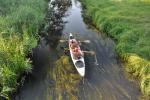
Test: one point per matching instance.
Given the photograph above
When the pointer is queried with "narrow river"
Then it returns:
(105, 81)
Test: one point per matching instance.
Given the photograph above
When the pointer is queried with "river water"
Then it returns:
(105, 81)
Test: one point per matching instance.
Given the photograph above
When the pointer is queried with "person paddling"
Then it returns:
(77, 53)
(73, 44)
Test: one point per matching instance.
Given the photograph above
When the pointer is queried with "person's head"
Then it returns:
(72, 41)
(78, 57)
(74, 50)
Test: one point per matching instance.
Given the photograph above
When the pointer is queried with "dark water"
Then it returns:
(105, 81)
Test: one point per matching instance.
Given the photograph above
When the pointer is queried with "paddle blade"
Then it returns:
(85, 41)
(62, 41)
(92, 52)
(89, 52)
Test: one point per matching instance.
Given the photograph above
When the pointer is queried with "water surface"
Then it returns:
(105, 81)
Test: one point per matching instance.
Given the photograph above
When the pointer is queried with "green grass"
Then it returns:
(13, 61)
(140, 69)
(127, 22)
(19, 24)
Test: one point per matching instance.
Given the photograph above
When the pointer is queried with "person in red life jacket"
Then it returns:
(77, 53)
(73, 44)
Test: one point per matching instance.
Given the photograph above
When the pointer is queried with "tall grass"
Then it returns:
(127, 22)
(140, 69)
(13, 61)
(19, 24)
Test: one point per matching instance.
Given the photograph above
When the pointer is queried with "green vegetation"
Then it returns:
(19, 24)
(66, 79)
(127, 22)
(140, 69)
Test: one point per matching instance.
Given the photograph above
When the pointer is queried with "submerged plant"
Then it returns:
(66, 79)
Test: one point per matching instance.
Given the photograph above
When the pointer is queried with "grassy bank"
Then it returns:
(127, 22)
(19, 24)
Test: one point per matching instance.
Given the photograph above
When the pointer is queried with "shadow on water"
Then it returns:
(55, 78)
(54, 23)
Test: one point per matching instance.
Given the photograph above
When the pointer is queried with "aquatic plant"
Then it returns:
(66, 79)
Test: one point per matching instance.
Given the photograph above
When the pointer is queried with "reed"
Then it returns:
(19, 24)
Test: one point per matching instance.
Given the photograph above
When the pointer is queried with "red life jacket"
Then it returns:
(77, 49)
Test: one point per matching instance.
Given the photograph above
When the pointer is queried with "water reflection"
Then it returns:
(54, 23)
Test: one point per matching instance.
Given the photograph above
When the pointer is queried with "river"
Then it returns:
(106, 81)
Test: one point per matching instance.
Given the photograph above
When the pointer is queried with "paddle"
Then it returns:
(94, 54)
(89, 52)
(62, 41)
(85, 41)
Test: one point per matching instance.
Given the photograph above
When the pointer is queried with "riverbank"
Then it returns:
(127, 22)
(19, 25)
(104, 81)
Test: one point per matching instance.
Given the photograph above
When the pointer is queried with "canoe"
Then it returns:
(79, 63)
